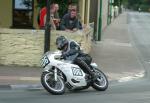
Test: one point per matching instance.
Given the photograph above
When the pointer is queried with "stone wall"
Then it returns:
(25, 47)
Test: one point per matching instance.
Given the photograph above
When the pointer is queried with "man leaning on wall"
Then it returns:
(70, 21)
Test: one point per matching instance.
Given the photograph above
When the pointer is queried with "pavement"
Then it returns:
(18, 77)
(115, 54)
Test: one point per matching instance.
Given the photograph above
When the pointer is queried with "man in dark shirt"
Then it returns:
(70, 21)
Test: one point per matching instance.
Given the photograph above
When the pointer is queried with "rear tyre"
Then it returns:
(101, 83)
(52, 86)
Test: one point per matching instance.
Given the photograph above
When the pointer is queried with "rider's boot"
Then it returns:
(94, 76)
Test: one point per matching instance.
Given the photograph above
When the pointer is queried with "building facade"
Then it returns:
(96, 11)
(18, 14)
(29, 44)
(21, 14)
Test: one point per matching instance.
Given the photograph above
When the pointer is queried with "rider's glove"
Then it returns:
(63, 56)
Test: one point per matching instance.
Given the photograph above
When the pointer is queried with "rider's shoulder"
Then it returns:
(72, 42)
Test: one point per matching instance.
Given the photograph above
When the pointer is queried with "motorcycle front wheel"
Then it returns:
(101, 83)
(52, 86)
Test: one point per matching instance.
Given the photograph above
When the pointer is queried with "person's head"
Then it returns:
(72, 6)
(61, 42)
(69, 7)
(56, 7)
(73, 13)
(52, 8)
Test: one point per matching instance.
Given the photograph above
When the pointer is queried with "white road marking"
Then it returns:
(129, 78)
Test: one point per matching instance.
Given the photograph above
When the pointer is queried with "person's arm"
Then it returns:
(44, 20)
(74, 49)
(80, 25)
(53, 26)
(62, 24)
(51, 22)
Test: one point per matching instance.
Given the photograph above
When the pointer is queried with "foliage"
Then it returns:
(135, 4)
(27, 3)
(145, 7)
(41, 3)
(116, 2)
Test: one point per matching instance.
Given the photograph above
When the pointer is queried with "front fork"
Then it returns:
(53, 71)
(55, 74)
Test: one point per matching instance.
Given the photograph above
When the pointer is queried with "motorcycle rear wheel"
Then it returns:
(101, 83)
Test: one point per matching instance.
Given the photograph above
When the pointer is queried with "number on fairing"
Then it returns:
(77, 72)
(45, 61)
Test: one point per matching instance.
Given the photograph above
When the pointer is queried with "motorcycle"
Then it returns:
(60, 74)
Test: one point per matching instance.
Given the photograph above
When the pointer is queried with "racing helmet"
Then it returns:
(61, 41)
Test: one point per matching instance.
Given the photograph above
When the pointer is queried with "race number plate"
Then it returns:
(77, 72)
(45, 61)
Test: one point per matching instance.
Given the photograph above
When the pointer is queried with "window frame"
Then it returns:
(25, 10)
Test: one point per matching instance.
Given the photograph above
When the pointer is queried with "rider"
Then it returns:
(71, 51)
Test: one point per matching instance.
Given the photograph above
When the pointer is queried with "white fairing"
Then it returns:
(71, 71)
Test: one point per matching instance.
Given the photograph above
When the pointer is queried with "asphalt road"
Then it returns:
(137, 91)
(132, 92)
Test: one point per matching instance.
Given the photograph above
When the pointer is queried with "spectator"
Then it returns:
(56, 14)
(73, 7)
(70, 7)
(70, 21)
(56, 17)
(43, 17)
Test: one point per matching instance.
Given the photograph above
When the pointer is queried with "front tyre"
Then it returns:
(101, 83)
(52, 86)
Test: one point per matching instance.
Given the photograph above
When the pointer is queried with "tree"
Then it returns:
(27, 3)
(135, 4)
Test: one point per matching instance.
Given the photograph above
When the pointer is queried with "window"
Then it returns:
(23, 13)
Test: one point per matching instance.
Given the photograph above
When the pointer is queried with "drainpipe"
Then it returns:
(120, 11)
(47, 28)
(100, 22)
(110, 12)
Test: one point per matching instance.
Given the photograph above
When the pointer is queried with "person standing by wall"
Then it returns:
(41, 17)
(43, 13)
(56, 14)
(56, 17)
